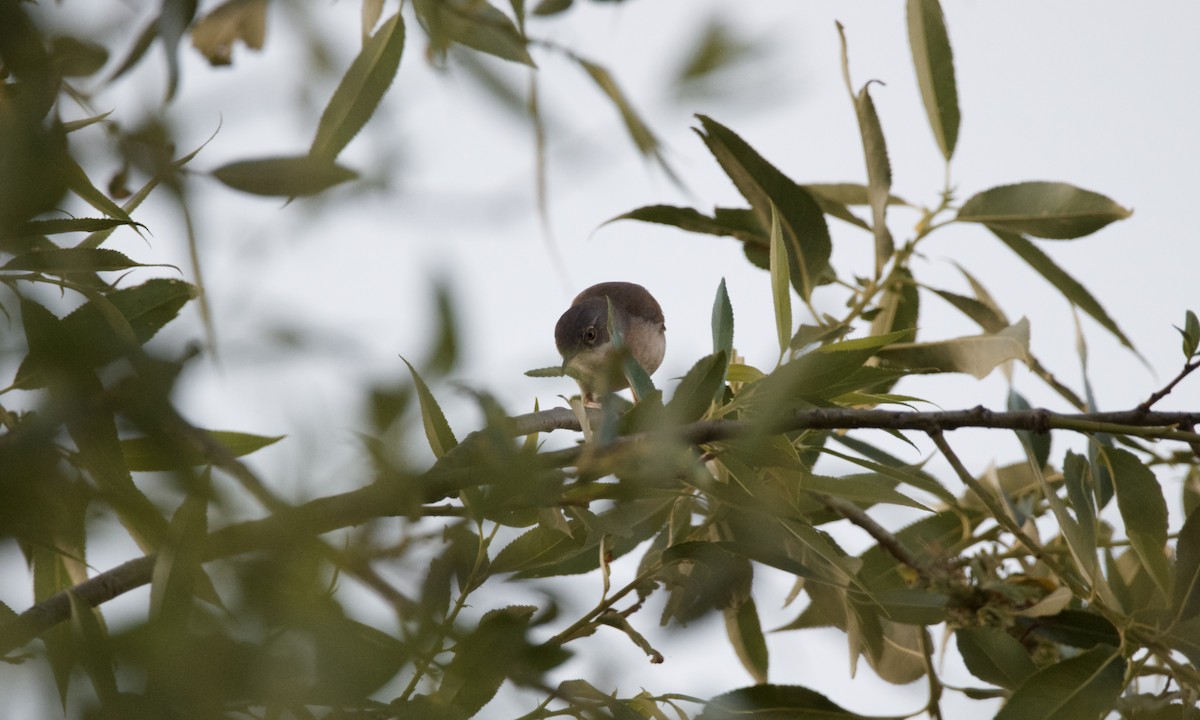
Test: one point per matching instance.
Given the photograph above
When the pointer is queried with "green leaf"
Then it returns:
(866, 489)
(780, 293)
(1077, 476)
(77, 58)
(54, 227)
(96, 655)
(983, 314)
(473, 23)
(437, 430)
(1084, 687)
(846, 194)
(994, 656)
(1185, 595)
(173, 22)
(81, 185)
(745, 634)
(639, 380)
(733, 223)
(177, 567)
(762, 184)
(775, 702)
(1070, 288)
(977, 355)
(911, 606)
(1075, 628)
(146, 308)
(1055, 211)
(639, 132)
(1038, 443)
(934, 64)
(698, 388)
(71, 260)
(879, 173)
(143, 454)
(1143, 510)
(360, 90)
(722, 323)
(293, 176)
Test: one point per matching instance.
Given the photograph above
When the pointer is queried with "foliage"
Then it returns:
(1054, 608)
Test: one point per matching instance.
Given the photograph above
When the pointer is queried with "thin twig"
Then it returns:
(886, 540)
(1187, 370)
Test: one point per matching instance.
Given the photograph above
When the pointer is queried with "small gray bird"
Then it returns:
(583, 341)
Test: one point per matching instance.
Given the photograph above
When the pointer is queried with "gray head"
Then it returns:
(583, 340)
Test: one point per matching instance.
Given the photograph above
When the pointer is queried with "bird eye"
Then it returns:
(589, 335)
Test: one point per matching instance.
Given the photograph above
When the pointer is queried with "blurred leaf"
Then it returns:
(146, 308)
(703, 576)
(1056, 211)
(641, 134)
(722, 322)
(81, 185)
(50, 576)
(775, 702)
(372, 10)
(1084, 687)
(1077, 476)
(95, 654)
(551, 7)
(639, 380)
(900, 305)
(1143, 510)
(698, 388)
(745, 634)
(994, 656)
(147, 37)
(77, 58)
(1075, 293)
(294, 176)
(178, 564)
(360, 90)
(473, 23)
(144, 454)
(437, 430)
(847, 194)
(934, 63)
(781, 296)
(863, 489)
(977, 355)
(215, 34)
(1185, 595)
(173, 21)
(73, 125)
(800, 217)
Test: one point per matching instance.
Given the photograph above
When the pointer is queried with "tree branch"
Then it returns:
(453, 472)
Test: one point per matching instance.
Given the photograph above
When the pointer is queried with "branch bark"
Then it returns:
(453, 472)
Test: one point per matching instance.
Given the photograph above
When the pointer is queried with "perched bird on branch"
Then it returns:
(583, 338)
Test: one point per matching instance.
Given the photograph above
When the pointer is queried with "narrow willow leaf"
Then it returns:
(934, 64)
(77, 58)
(1074, 292)
(639, 132)
(977, 355)
(177, 567)
(639, 380)
(864, 489)
(911, 606)
(1038, 443)
(81, 185)
(697, 389)
(73, 125)
(475, 24)
(144, 454)
(879, 174)
(173, 21)
(1185, 594)
(437, 430)
(724, 222)
(214, 34)
(781, 294)
(1075, 628)
(994, 656)
(1077, 477)
(847, 194)
(294, 176)
(763, 185)
(53, 227)
(551, 371)
(1052, 210)
(1084, 687)
(1143, 510)
(982, 313)
(746, 635)
(776, 701)
(722, 322)
(885, 464)
(360, 90)
(95, 654)
(72, 260)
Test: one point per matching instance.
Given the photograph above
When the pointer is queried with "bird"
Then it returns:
(582, 336)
